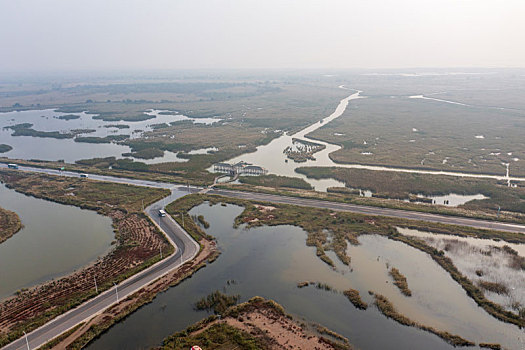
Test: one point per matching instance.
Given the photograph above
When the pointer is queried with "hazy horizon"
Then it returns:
(248, 35)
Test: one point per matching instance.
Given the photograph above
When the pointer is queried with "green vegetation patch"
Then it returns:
(400, 281)
(68, 117)
(387, 309)
(118, 126)
(217, 301)
(107, 139)
(219, 336)
(10, 224)
(389, 184)
(355, 298)
(146, 153)
(276, 181)
(44, 134)
(5, 148)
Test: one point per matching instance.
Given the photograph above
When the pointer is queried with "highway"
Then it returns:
(187, 248)
(368, 210)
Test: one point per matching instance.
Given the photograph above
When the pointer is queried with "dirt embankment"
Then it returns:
(9, 224)
(138, 244)
(98, 324)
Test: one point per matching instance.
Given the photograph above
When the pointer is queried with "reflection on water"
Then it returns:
(269, 261)
(271, 156)
(454, 199)
(479, 242)
(27, 147)
(56, 239)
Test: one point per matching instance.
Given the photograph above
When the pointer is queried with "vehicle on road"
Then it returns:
(162, 213)
(84, 175)
(12, 166)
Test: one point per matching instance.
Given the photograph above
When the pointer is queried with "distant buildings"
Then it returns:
(241, 168)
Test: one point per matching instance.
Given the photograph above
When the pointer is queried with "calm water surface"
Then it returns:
(27, 147)
(56, 239)
(269, 261)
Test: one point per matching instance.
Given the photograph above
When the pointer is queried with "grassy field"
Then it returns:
(415, 133)
(385, 184)
(9, 224)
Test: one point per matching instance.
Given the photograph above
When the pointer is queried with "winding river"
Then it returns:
(271, 156)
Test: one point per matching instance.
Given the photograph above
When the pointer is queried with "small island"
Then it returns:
(5, 148)
(255, 324)
(9, 224)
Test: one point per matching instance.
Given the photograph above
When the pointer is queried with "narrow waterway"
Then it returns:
(269, 261)
(271, 156)
(56, 240)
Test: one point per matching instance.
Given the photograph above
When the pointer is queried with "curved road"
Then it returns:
(187, 248)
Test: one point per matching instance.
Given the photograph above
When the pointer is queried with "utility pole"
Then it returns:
(116, 290)
(182, 215)
(96, 287)
(27, 341)
(160, 248)
(499, 209)
(142, 204)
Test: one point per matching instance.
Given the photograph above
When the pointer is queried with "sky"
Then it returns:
(69, 35)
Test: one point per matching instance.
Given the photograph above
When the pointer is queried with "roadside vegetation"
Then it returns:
(352, 196)
(138, 243)
(394, 185)
(10, 224)
(117, 313)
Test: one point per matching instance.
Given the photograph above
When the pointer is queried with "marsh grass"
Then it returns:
(355, 298)
(496, 270)
(388, 309)
(10, 224)
(217, 301)
(400, 281)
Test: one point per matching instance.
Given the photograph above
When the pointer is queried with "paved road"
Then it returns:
(362, 209)
(188, 248)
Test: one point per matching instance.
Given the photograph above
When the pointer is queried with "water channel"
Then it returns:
(271, 156)
(269, 261)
